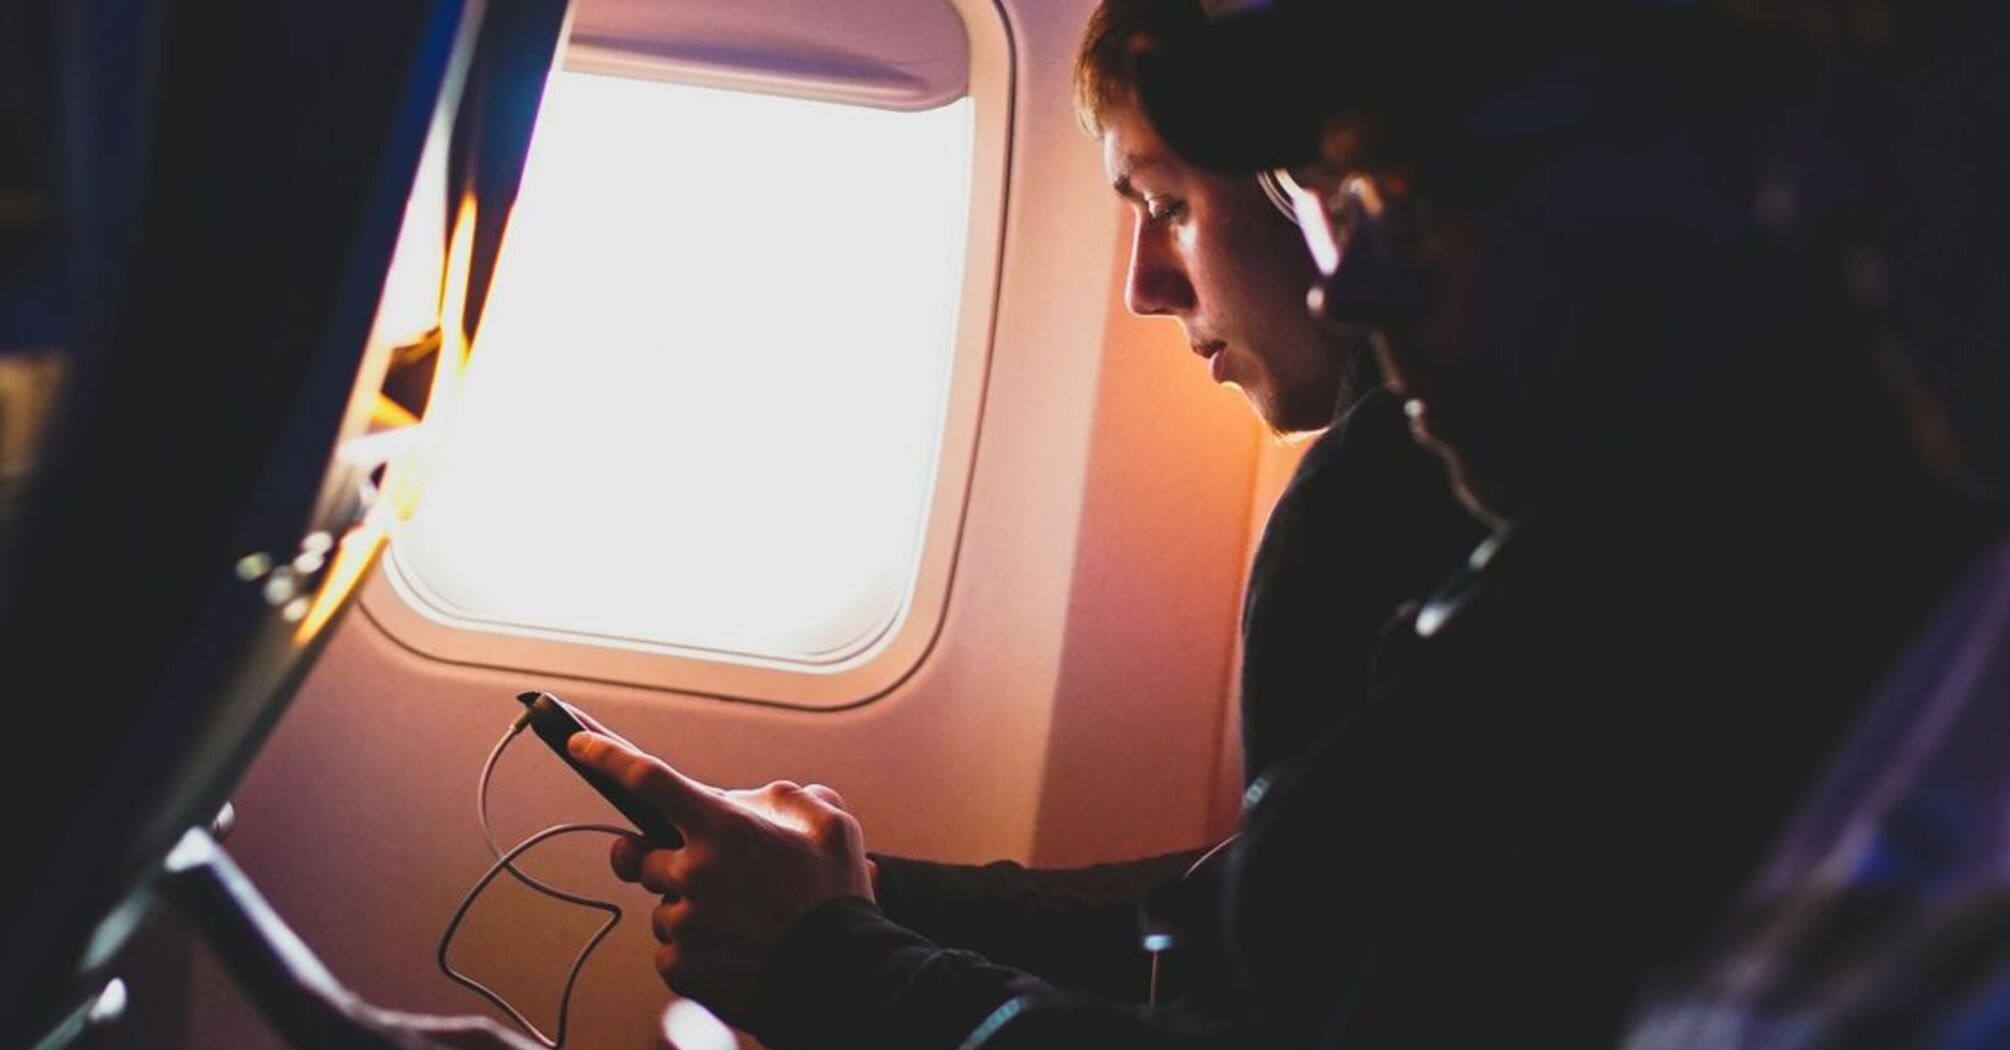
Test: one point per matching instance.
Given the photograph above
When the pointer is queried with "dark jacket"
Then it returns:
(1366, 523)
(1582, 745)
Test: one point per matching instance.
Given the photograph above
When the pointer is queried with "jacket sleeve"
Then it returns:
(1075, 928)
(847, 976)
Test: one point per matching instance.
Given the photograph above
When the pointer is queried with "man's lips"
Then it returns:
(1211, 351)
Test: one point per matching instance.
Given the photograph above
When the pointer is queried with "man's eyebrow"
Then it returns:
(1134, 163)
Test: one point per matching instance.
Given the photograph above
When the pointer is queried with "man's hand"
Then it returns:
(753, 863)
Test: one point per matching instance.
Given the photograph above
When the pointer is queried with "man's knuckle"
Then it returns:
(663, 923)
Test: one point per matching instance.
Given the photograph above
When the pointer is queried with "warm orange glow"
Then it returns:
(405, 475)
(453, 306)
(389, 414)
(353, 556)
(407, 455)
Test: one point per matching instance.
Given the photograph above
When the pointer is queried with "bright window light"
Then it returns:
(706, 401)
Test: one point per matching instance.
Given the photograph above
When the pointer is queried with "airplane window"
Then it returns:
(706, 403)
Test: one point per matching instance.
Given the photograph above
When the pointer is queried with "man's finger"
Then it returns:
(625, 857)
(662, 872)
(593, 725)
(691, 806)
(664, 921)
(826, 795)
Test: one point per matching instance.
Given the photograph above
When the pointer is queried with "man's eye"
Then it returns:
(1164, 209)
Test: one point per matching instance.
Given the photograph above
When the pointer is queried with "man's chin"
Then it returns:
(1285, 420)
(1268, 412)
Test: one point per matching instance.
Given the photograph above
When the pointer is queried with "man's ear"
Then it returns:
(1343, 145)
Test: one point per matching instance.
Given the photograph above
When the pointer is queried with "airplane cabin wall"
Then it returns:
(1073, 709)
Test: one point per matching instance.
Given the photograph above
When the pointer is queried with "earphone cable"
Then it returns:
(506, 861)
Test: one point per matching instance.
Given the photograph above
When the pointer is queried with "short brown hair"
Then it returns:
(1103, 61)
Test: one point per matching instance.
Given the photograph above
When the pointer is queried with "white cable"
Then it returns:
(1152, 984)
(506, 862)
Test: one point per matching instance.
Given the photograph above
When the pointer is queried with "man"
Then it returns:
(1715, 535)
(1365, 525)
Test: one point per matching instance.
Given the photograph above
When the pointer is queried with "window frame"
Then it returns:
(389, 602)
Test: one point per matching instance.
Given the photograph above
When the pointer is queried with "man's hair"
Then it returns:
(1103, 78)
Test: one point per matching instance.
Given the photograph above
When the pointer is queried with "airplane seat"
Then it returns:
(1881, 908)
(183, 540)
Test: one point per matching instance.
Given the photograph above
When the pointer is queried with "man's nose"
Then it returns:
(1157, 283)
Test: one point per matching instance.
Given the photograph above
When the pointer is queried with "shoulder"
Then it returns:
(1364, 427)
(1367, 467)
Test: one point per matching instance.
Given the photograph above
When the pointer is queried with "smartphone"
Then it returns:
(554, 721)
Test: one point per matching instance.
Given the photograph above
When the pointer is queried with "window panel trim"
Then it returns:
(909, 638)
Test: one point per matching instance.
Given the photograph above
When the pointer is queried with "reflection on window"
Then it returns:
(704, 407)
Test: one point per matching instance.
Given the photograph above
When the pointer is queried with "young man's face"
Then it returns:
(1211, 252)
